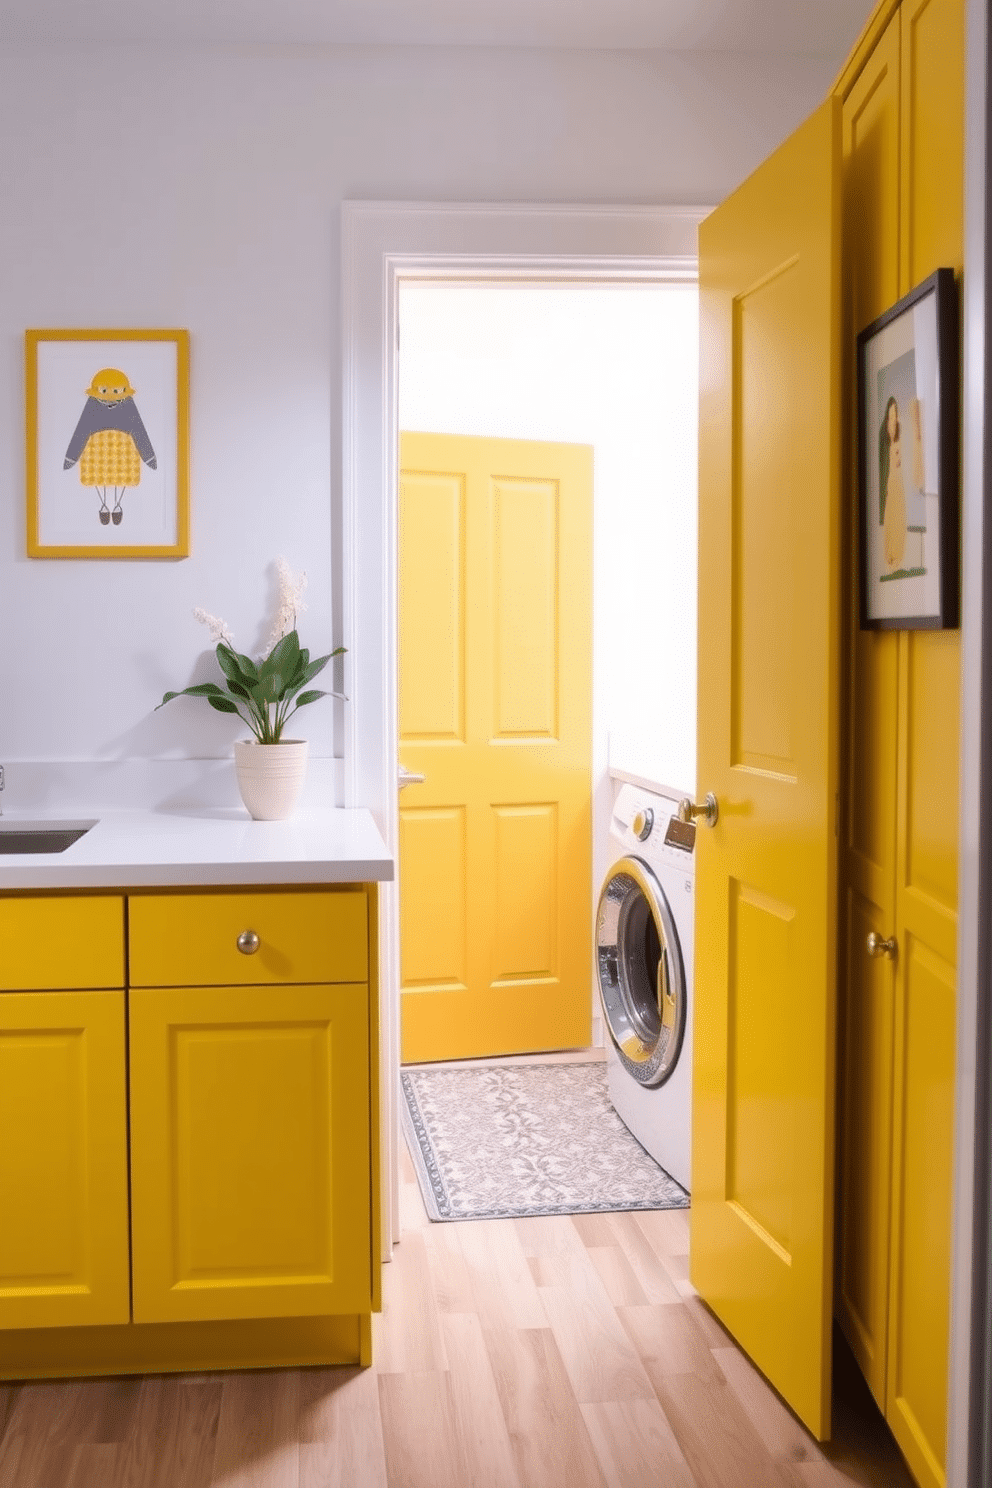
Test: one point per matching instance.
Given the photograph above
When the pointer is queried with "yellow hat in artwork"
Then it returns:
(110, 384)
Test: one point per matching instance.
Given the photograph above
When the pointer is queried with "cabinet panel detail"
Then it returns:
(66, 943)
(932, 750)
(933, 52)
(63, 1160)
(432, 625)
(249, 1152)
(192, 939)
(921, 1250)
(865, 1145)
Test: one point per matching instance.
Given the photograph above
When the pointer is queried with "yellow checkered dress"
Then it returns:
(110, 458)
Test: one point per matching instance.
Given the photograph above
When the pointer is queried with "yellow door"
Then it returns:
(933, 64)
(868, 828)
(249, 1152)
(63, 1160)
(763, 1098)
(495, 649)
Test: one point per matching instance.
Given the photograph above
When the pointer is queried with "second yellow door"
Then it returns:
(495, 703)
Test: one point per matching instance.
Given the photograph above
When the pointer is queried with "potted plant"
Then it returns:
(266, 694)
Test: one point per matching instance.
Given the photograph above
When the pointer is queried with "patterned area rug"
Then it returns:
(496, 1142)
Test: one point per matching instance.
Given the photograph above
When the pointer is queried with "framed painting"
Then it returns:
(107, 458)
(908, 379)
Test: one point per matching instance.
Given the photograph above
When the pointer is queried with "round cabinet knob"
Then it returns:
(708, 810)
(248, 942)
(879, 947)
(643, 822)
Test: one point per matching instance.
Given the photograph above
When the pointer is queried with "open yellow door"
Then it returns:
(763, 1097)
(495, 712)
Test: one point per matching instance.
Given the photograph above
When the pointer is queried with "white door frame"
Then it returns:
(383, 243)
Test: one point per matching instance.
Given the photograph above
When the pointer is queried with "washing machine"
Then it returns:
(644, 945)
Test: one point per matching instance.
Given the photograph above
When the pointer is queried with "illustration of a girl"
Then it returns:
(110, 442)
(891, 491)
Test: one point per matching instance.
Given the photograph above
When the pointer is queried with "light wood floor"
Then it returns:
(510, 1354)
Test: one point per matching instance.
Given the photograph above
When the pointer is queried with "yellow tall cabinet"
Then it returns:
(903, 130)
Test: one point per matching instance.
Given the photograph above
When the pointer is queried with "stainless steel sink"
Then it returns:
(40, 837)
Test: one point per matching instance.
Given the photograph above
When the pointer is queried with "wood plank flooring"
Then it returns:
(509, 1354)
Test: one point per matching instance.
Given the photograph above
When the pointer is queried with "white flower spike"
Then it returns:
(291, 591)
(217, 628)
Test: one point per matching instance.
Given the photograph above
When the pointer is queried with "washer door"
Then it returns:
(641, 975)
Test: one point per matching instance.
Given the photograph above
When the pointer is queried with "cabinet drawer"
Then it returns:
(53, 944)
(181, 940)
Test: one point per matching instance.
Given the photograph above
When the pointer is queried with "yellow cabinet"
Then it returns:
(242, 1106)
(249, 1152)
(903, 181)
(63, 1160)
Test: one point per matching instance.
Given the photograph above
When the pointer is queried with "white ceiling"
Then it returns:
(819, 28)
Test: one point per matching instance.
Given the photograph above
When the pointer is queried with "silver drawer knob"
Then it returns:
(248, 942)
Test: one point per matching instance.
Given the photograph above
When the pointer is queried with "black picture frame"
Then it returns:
(908, 485)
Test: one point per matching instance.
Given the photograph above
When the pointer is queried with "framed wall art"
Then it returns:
(908, 377)
(107, 422)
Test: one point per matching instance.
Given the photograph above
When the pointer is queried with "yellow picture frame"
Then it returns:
(107, 443)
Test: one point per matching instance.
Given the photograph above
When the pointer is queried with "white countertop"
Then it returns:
(206, 845)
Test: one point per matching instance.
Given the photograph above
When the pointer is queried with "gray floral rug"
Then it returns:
(507, 1141)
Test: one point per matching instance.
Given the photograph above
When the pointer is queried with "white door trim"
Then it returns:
(382, 243)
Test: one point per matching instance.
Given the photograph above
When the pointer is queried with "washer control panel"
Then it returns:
(643, 823)
(681, 834)
(653, 820)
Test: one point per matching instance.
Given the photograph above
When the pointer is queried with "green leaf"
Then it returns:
(284, 656)
(231, 665)
(201, 689)
(309, 697)
(267, 688)
(223, 704)
(238, 689)
(310, 671)
(247, 665)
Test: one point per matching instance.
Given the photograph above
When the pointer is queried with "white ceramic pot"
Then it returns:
(270, 776)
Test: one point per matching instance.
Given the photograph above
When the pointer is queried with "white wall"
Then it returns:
(201, 189)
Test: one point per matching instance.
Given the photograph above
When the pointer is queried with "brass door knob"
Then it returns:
(709, 810)
(248, 942)
(879, 947)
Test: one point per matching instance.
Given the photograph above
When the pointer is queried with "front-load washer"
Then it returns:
(644, 955)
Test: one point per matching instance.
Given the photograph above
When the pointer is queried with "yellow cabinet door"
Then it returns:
(933, 65)
(63, 1160)
(250, 1152)
(495, 707)
(761, 1250)
(871, 133)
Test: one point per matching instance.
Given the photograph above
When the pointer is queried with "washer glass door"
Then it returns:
(641, 975)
